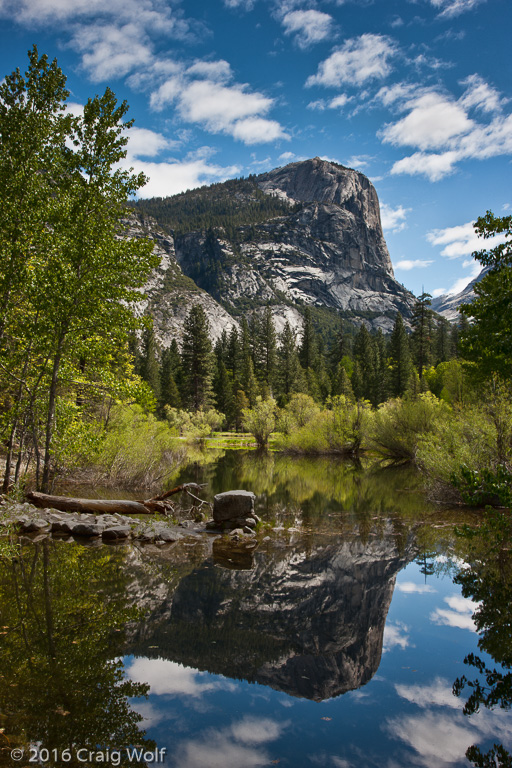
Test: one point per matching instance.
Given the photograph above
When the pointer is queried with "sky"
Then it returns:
(415, 94)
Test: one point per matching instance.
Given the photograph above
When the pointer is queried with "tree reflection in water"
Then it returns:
(64, 613)
(488, 581)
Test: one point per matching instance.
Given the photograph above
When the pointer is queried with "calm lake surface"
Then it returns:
(335, 642)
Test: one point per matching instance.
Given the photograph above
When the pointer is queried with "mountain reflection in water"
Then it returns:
(335, 642)
(307, 620)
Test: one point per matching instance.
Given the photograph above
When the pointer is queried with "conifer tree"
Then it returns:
(400, 359)
(268, 348)
(149, 367)
(422, 323)
(169, 391)
(290, 374)
(197, 360)
(308, 351)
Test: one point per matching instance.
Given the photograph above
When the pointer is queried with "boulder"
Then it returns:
(116, 532)
(232, 505)
(87, 529)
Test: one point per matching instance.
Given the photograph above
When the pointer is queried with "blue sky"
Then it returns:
(416, 94)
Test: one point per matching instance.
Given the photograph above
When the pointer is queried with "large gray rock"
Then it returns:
(233, 504)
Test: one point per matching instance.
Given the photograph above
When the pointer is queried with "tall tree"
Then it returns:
(268, 348)
(422, 323)
(290, 374)
(400, 358)
(197, 359)
(487, 342)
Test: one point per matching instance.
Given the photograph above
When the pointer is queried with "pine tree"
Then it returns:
(268, 348)
(290, 374)
(197, 360)
(169, 392)
(422, 323)
(400, 359)
(233, 354)
(149, 367)
(308, 351)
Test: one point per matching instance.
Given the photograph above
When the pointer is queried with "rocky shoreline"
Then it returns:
(29, 520)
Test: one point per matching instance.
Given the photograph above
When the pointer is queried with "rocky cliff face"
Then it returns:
(309, 623)
(325, 248)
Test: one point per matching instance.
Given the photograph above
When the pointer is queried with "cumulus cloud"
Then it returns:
(432, 121)
(359, 60)
(458, 614)
(408, 264)
(392, 219)
(439, 693)
(167, 677)
(220, 108)
(451, 8)
(461, 240)
(309, 26)
(443, 130)
(410, 588)
(239, 745)
(395, 635)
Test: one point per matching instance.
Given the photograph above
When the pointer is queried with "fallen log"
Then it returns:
(153, 506)
(89, 506)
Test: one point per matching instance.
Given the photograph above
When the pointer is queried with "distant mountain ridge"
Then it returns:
(448, 305)
(306, 234)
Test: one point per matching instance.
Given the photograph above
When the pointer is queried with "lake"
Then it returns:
(336, 642)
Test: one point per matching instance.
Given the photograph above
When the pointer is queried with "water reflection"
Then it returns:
(64, 615)
(336, 645)
(306, 620)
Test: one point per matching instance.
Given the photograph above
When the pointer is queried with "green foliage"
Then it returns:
(197, 359)
(485, 486)
(194, 424)
(339, 429)
(400, 424)
(487, 342)
(66, 322)
(260, 420)
(60, 660)
(137, 451)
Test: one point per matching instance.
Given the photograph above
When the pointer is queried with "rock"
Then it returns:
(35, 526)
(87, 529)
(233, 504)
(116, 532)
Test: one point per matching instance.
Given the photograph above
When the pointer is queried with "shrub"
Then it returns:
(400, 424)
(260, 421)
(137, 450)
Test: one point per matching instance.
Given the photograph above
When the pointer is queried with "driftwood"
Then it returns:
(110, 506)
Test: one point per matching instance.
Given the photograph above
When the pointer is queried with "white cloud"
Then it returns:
(459, 614)
(220, 108)
(462, 282)
(461, 240)
(392, 219)
(408, 264)
(432, 121)
(309, 26)
(247, 5)
(439, 693)
(212, 70)
(112, 51)
(418, 589)
(286, 157)
(240, 745)
(256, 130)
(434, 167)
(339, 101)
(395, 635)
(481, 95)
(358, 61)
(169, 178)
(145, 143)
(167, 677)
(438, 292)
(451, 8)
(436, 738)
(435, 121)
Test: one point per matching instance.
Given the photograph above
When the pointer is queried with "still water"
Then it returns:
(335, 642)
